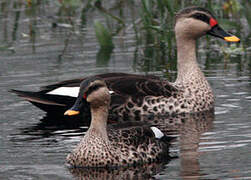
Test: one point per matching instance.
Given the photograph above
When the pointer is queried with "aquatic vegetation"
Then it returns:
(150, 21)
(103, 35)
(104, 38)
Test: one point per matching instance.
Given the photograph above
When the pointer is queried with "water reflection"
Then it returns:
(190, 134)
(50, 126)
(189, 128)
(103, 56)
(141, 172)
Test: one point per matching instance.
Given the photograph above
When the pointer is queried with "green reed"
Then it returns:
(157, 35)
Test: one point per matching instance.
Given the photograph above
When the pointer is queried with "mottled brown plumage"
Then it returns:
(118, 145)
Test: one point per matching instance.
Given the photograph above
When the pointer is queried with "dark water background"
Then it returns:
(41, 45)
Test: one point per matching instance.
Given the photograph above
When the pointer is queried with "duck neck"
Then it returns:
(99, 121)
(188, 68)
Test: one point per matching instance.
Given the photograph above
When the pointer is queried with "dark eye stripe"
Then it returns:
(93, 88)
(201, 17)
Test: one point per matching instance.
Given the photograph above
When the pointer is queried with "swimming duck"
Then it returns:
(135, 95)
(111, 146)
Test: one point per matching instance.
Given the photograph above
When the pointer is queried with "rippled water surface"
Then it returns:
(33, 147)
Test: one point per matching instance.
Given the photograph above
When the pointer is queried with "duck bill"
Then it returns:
(71, 112)
(217, 31)
(75, 109)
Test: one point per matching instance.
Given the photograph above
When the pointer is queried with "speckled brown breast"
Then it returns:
(125, 147)
(190, 98)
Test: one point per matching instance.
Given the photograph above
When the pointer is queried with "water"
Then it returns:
(206, 147)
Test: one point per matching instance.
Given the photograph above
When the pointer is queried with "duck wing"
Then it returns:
(137, 87)
(57, 98)
(147, 141)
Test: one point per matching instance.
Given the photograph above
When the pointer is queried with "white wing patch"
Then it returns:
(65, 91)
(158, 134)
(68, 91)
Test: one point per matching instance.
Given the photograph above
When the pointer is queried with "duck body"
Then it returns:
(130, 146)
(136, 95)
(123, 144)
(168, 98)
(131, 96)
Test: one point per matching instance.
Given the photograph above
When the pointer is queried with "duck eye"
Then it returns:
(92, 89)
(201, 17)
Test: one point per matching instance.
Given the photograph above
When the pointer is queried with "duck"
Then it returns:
(118, 145)
(135, 95)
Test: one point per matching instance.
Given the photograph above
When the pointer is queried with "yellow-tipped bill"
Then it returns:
(231, 39)
(71, 112)
(217, 31)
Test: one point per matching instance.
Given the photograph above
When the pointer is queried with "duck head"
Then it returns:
(194, 22)
(94, 91)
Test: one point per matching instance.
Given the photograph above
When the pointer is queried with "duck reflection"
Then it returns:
(190, 128)
(139, 172)
(190, 133)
